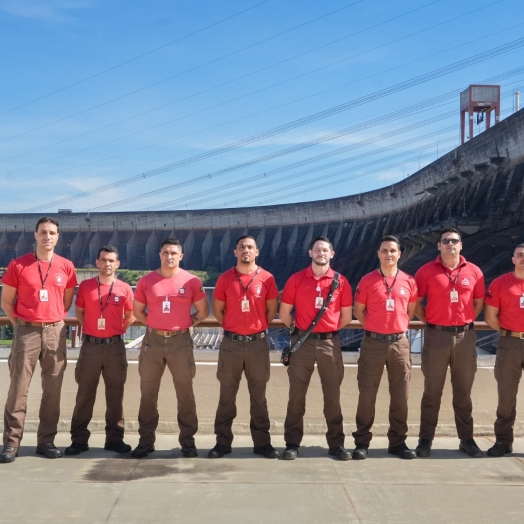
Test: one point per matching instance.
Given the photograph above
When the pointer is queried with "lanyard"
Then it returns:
(453, 282)
(250, 282)
(102, 307)
(389, 289)
(42, 279)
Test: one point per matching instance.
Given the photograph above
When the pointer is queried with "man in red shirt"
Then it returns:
(244, 302)
(104, 308)
(385, 302)
(163, 302)
(306, 291)
(37, 293)
(454, 290)
(504, 312)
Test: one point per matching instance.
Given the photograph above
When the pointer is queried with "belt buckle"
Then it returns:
(234, 338)
(521, 336)
(454, 329)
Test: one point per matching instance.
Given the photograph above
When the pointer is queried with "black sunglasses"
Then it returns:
(450, 241)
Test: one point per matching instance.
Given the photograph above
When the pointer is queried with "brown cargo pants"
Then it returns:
(110, 361)
(176, 353)
(252, 358)
(456, 350)
(508, 371)
(328, 356)
(374, 355)
(30, 345)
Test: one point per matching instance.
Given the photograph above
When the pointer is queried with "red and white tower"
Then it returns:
(478, 99)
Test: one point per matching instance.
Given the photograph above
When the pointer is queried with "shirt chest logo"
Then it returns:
(465, 282)
(59, 279)
(258, 290)
(402, 291)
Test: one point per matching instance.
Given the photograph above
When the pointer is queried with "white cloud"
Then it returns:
(57, 11)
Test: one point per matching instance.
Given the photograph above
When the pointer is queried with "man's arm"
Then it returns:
(8, 302)
(491, 316)
(139, 311)
(129, 318)
(68, 298)
(271, 309)
(202, 311)
(79, 313)
(420, 310)
(360, 312)
(285, 313)
(346, 314)
(218, 310)
(412, 307)
(478, 305)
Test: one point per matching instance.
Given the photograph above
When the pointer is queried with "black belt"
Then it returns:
(244, 338)
(384, 338)
(451, 329)
(508, 333)
(318, 336)
(96, 340)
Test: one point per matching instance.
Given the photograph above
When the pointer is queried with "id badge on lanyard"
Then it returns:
(166, 306)
(44, 296)
(522, 302)
(454, 296)
(390, 304)
(245, 305)
(319, 301)
(101, 324)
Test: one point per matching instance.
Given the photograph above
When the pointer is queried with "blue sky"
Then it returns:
(127, 105)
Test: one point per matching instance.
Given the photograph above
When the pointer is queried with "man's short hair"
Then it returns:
(321, 239)
(108, 249)
(450, 230)
(171, 242)
(518, 247)
(390, 238)
(243, 237)
(45, 220)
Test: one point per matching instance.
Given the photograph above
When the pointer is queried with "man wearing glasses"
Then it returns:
(454, 292)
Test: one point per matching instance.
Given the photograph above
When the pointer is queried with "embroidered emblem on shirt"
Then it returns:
(465, 282)
(58, 279)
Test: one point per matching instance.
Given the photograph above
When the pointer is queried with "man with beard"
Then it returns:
(306, 291)
(245, 302)
(385, 302)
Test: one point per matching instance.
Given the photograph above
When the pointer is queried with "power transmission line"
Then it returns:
(461, 64)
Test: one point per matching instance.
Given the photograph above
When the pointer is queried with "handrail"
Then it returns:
(211, 321)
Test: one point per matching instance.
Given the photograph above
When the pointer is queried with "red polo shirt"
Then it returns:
(182, 291)
(505, 293)
(22, 274)
(228, 290)
(372, 292)
(301, 291)
(433, 282)
(121, 300)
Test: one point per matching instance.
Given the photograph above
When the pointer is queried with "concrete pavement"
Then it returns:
(102, 487)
